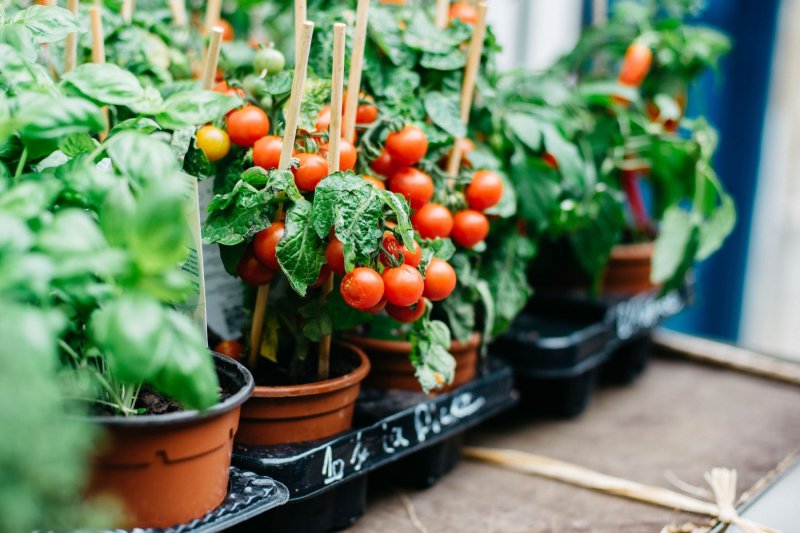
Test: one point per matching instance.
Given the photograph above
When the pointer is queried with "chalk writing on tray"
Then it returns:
(644, 312)
(429, 419)
(359, 455)
(393, 439)
(332, 470)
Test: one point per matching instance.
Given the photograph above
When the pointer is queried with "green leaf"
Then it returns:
(117, 214)
(343, 316)
(676, 245)
(317, 321)
(355, 209)
(71, 232)
(301, 251)
(47, 23)
(50, 117)
(160, 232)
(195, 108)
(536, 188)
(104, 83)
(452, 60)
(716, 228)
(141, 157)
(76, 144)
(29, 199)
(444, 111)
(430, 344)
(527, 129)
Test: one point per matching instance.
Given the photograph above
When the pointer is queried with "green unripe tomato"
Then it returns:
(268, 59)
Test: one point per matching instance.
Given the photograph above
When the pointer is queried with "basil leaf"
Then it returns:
(141, 157)
(195, 108)
(104, 83)
(47, 23)
(50, 117)
(157, 242)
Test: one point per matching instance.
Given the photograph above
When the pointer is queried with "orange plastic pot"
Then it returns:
(628, 270)
(300, 413)
(171, 468)
(392, 368)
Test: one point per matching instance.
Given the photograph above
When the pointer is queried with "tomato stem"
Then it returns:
(630, 182)
(23, 158)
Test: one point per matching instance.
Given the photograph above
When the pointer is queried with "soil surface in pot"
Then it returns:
(269, 374)
(152, 402)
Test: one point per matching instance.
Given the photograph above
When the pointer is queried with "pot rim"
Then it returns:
(405, 346)
(633, 251)
(320, 387)
(190, 415)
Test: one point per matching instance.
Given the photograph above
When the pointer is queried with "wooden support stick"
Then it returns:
(213, 11)
(442, 13)
(127, 11)
(300, 16)
(178, 8)
(334, 143)
(356, 65)
(98, 52)
(292, 117)
(468, 85)
(212, 58)
(71, 42)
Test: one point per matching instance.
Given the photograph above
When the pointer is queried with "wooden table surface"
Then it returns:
(679, 416)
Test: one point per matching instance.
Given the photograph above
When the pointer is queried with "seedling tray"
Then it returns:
(327, 479)
(249, 494)
(562, 344)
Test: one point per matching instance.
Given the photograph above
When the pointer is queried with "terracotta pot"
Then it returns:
(299, 413)
(171, 468)
(628, 270)
(392, 369)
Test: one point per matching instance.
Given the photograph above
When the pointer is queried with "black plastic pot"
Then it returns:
(563, 344)
(328, 479)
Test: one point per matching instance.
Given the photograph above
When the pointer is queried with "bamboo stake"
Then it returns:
(213, 11)
(98, 52)
(334, 143)
(468, 85)
(127, 10)
(178, 8)
(71, 42)
(212, 58)
(292, 117)
(356, 66)
(300, 16)
(442, 13)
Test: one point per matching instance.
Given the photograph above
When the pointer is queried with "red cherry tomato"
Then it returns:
(312, 169)
(403, 285)
(384, 165)
(267, 152)
(247, 125)
(393, 246)
(324, 274)
(464, 12)
(366, 114)
(636, 65)
(377, 308)
(265, 243)
(227, 30)
(469, 227)
(230, 348)
(362, 288)
(252, 271)
(375, 182)
(334, 256)
(550, 160)
(407, 146)
(408, 314)
(433, 220)
(484, 191)
(347, 154)
(324, 119)
(440, 280)
(414, 185)
(224, 88)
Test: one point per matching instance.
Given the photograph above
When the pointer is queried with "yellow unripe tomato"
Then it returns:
(214, 142)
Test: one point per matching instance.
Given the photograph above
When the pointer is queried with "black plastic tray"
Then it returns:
(562, 344)
(249, 494)
(327, 478)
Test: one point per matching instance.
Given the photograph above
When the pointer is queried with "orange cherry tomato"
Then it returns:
(635, 65)
(230, 348)
(440, 280)
(224, 88)
(484, 191)
(227, 30)
(267, 152)
(375, 182)
(407, 146)
(432, 221)
(413, 185)
(247, 125)
(469, 227)
(362, 288)
(312, 169)
(403, 285)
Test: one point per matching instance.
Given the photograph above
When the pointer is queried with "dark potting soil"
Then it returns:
(268, 374)
(152, 402)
